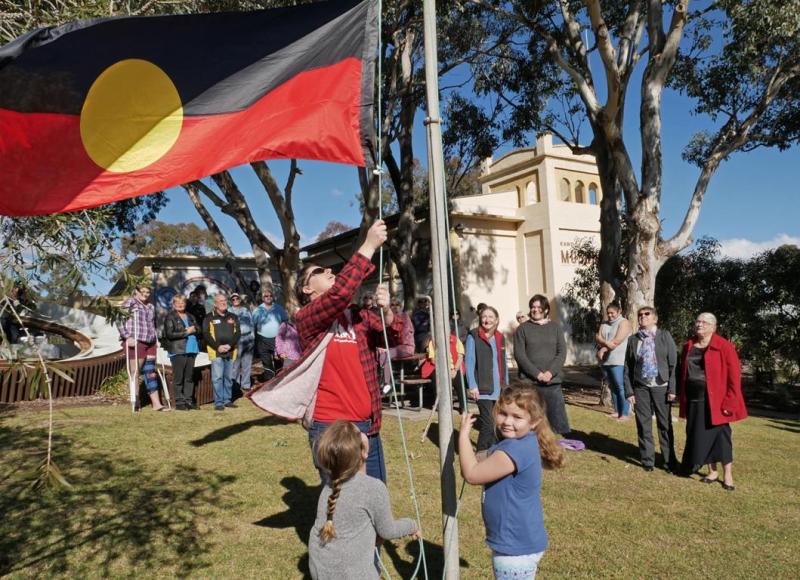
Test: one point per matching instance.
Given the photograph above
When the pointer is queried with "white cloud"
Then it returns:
(336, 192)
(743, 248)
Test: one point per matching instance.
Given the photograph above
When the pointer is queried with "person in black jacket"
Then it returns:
(180, 332)
(650, 361)
(221, 333)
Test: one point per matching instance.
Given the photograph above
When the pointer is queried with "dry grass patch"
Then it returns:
(233, 494)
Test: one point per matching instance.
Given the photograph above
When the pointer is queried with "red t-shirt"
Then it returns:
(342, 392)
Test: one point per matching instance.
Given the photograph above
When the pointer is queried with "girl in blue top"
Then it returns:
(511, 476)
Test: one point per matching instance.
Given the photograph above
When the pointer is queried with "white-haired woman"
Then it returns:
(710, 400)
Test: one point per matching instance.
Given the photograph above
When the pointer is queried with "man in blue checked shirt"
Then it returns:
(267, 319)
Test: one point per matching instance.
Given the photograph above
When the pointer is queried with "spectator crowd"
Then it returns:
(326, 361)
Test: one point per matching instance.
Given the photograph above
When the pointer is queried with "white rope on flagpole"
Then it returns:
(378, 171)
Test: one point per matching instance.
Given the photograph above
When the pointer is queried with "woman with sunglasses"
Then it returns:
(650, 361)
(337, 376)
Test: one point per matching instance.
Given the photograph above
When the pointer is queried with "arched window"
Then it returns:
(594, 198)
(566, 190)
(532, 192)
(580, 192)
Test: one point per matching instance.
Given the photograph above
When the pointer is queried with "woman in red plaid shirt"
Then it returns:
(348, 381)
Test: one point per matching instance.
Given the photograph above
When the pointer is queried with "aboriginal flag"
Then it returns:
(97, 111)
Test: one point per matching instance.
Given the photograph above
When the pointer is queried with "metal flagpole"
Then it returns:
(440, 326)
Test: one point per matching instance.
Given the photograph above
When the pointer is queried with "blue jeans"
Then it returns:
(616, 380)
(243, 365)
(221, 378)
(376, 467)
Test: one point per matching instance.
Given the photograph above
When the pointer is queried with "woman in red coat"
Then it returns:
(710, 400)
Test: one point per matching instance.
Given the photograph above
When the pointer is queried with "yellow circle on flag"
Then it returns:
(131, 117)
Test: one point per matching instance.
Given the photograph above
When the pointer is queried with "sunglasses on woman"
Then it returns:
(316, 271)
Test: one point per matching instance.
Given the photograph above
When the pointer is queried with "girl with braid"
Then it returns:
(353, 509)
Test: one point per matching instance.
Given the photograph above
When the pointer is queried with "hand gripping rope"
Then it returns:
(377, 171)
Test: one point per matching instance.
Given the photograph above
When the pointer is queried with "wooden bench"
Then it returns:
(406, 377)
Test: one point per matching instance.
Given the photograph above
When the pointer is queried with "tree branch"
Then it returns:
(731, 137)
(241, 212)
(658, 67)
(192, 190)
(283, 210)
(607, 54)
(211, 194)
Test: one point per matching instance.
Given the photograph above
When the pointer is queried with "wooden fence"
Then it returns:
(88, 375)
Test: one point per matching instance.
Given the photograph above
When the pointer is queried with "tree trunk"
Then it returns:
(212, 226)
(289, 264)
(288, 260)
(263, 266)
(610, 228)
(644, 260)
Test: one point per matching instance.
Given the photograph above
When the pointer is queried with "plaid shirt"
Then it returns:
(314, 320)
(141, 322)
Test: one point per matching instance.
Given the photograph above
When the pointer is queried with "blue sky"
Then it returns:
(751, 203)
(754, 197)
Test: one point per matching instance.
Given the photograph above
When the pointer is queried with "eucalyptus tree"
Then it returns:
(574, 63)
(471, 130)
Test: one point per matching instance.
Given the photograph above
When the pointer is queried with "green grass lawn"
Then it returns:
(233, 495)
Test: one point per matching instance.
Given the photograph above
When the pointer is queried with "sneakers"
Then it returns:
(231, 405)
(219, 408)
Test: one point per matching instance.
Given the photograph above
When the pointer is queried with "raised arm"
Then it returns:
(319, 314)
(475, 472)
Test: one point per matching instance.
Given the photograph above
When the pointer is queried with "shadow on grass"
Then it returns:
(790, 425)
(230, 430)
(301, 511)
(434, 559)
(602, 443)
(119, 518)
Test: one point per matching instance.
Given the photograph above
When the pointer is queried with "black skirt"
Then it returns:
(705, 442)
(555, 407)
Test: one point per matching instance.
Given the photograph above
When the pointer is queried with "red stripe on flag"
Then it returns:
(315, 115)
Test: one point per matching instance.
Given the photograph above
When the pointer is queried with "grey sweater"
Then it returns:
(539, 348)
(362, 511)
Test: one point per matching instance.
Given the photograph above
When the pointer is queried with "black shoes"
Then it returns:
(647, 468)
(219, 408)
(231, 405)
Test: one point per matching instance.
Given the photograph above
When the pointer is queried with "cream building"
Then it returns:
(514, 239)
